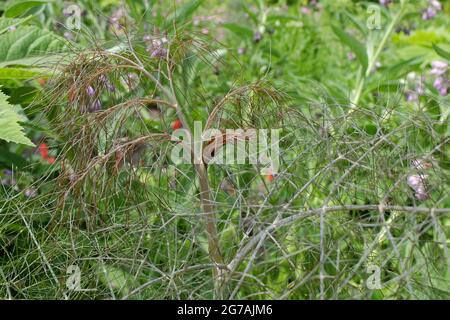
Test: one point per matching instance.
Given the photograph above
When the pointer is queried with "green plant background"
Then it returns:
(114, 204)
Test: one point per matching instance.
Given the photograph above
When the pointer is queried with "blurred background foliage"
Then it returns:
(357, 106)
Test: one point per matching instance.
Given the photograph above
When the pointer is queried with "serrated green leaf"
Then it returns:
(29, 45)
(358, 49)
(10, 130)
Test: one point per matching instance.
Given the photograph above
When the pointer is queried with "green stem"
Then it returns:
(364, 74)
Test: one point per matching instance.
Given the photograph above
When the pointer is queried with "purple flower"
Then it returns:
(429, 13)
(90, 91)
(7, 172)
(415, 85)
(435, 4)
(417, 183)
(241, 51)
(257, 37)
(438, 68)
(156, 48)
(442, 85)
(158, 53)
(385, 2)
(96, 106)
(305, 10)
(30, 192)
(107, 83)
(421, 194)
(411, 96)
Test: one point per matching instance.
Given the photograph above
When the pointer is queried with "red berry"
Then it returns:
(270, 177)
(43, 150)
(42, 81)
(176, 124)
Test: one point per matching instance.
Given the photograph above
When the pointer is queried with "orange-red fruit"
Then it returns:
(43, 150)
(270, 177)
(176, 124)
(42, 81)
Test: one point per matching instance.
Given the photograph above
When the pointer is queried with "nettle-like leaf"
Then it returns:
(28, 46)
(10, 129)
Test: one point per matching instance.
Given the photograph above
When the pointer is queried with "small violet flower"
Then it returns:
(305, 10)
(385, 2)
(442, 85)
(257, 37)
(417, 183)
(30, 192)
(441, 82)
(96, 106)
(430, 12)
(438, 68)
(156, 47)
(90, 91)
(104, 79)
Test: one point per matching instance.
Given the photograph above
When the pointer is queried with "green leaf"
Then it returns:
(183, 12)
(240, 30)
(10, 130)
(29, 45)
(444, 54)
(6, 23)
(358, 24)
(117, 279)
(10, 159)
(17, 74)
(357, 48)
(19, 7)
